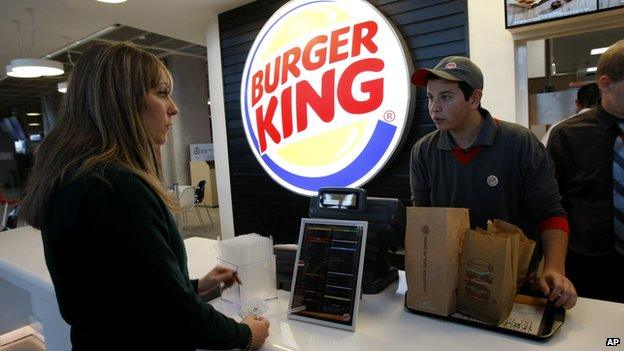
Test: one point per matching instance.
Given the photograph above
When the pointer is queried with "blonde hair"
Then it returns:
(99, 124)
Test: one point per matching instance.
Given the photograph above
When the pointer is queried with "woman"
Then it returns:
(112, 248)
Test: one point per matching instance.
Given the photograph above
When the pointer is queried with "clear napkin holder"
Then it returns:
(258, 281)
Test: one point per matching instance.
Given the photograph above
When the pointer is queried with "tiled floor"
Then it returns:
(194, 227)
(30, 343)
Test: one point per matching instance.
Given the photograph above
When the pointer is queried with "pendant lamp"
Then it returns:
(34, 68)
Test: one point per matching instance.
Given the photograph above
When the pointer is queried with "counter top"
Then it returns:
(384, 324)
(22, 261)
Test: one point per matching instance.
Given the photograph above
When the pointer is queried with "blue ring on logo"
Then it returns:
(374, 149)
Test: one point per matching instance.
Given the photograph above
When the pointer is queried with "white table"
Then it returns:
(28, 296)
(383, 324)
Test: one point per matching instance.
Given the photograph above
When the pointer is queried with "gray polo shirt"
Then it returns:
(506, 174)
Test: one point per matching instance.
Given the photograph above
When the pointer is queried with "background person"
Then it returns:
(586, 98)
(116, 259)
(588, 152)
(497, 170)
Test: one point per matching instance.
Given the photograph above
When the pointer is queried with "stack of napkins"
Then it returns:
(251, 255)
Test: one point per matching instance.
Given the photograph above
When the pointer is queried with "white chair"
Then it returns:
(200, 190)
(8, 205)
(188, 202)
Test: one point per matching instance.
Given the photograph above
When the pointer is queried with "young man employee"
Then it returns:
(497, 170)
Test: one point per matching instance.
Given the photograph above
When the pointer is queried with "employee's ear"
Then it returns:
(604, 83)
(475, 98)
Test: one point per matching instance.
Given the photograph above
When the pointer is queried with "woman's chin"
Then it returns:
(160, 141)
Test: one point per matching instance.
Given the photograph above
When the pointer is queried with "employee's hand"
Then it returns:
(558, 288)
(553, 282)
(259, 330)
(216, 276)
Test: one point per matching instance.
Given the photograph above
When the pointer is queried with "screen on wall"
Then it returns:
(13, 127)
(608, 4)
(524, 12)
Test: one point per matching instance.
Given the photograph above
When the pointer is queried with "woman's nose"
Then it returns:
(173, 108)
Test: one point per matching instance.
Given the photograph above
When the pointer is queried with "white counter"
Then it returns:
(28, 294)
(383, 323)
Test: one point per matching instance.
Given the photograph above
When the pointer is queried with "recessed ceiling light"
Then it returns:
(34, 124)
(599, 51)
(62, 87)
(33, 114)
(592, 69)
(112, 1)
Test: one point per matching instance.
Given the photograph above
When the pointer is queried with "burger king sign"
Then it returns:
(325, 94)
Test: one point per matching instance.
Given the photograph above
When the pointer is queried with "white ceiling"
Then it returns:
(58, 23)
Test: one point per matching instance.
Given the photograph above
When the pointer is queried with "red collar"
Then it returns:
(465, 156)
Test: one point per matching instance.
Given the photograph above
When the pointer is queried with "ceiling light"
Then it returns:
(62, 87)
(592, 69)
(16, 74)
(33, 114)
(599, 51)
(34, 68)
(112, 1)
(34, 124)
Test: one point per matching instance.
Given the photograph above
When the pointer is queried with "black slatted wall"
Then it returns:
(432, 30)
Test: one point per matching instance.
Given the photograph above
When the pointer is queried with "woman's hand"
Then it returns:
(259, 330)
(216, 276)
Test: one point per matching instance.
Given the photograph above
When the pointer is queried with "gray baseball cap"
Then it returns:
(454, 68)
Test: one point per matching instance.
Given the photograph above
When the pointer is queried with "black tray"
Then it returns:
(552, 320)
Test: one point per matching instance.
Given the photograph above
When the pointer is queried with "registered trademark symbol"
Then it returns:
(389, 116)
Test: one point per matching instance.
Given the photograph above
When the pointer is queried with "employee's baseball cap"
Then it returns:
(455, 68)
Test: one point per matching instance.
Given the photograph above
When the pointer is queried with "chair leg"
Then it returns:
(184, 220)
(209, 216)
(200, 218)
(4, 216)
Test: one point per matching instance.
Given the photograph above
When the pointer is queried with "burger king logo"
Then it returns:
(325, 94)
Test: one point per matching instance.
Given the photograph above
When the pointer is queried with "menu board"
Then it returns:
(328, 274)
(521, 12)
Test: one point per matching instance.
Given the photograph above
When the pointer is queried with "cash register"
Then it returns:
(386, 229)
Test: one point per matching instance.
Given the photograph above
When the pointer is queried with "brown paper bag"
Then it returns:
(487, 277)
(515, 250)
(525, 247)
(432, 247)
